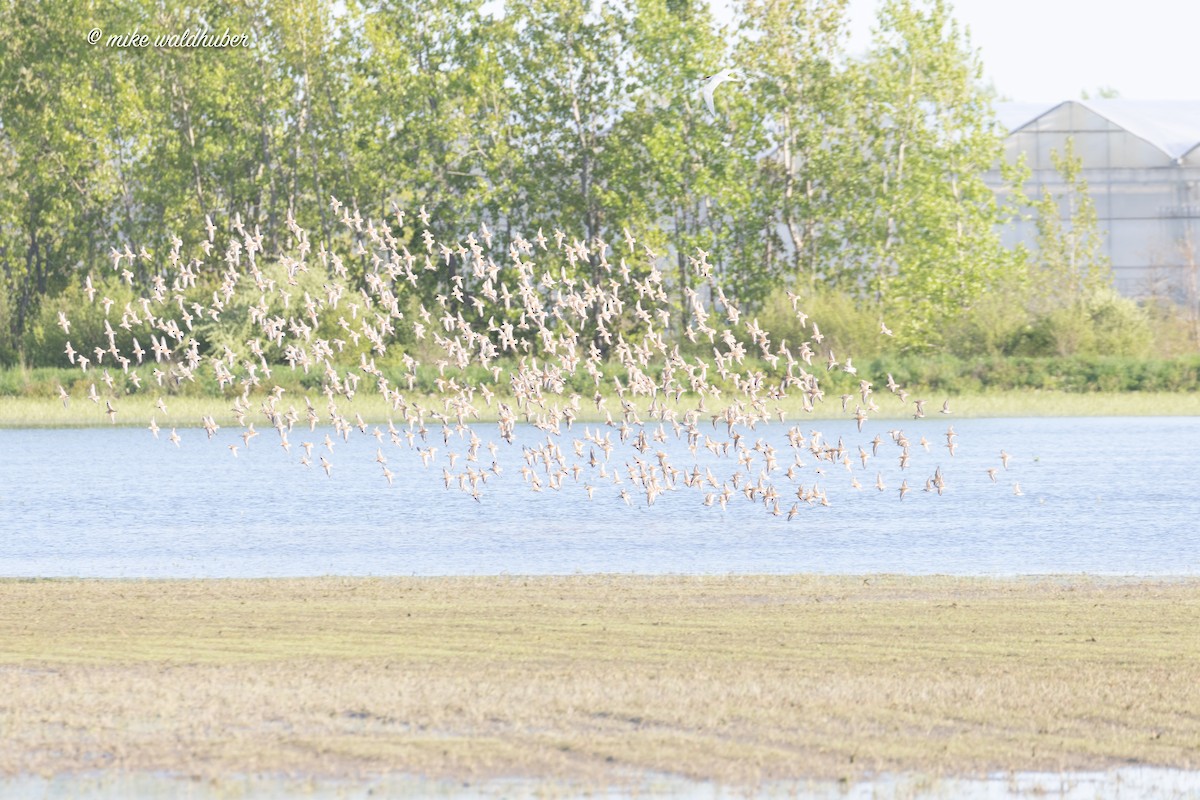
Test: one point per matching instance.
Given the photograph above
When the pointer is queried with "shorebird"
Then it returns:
(532, 341)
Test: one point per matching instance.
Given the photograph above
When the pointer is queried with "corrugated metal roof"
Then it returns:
(1171, 126)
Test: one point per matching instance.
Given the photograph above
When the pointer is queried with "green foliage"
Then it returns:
(855, 181)
(850, 327)
(567, 69)
(8, 344)
(44, 342)
(1104, 323)
(937, 375)
(1174, 330)
(1093, 373)
(930, 140)
(431, 118)
(1064, 304)
(682, 172)
(56, 180)
(807, 107)
(1070, 264)
(994, 324)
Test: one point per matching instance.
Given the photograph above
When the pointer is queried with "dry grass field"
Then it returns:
(601, 679)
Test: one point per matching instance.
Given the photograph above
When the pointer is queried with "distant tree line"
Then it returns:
(822, 172)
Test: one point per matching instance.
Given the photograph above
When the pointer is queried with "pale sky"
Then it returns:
(1050, 50)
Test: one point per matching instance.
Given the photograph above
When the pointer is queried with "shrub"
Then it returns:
(44, 341)
(850, 326)
(8, 345)
(1120, 326)
(992, 326)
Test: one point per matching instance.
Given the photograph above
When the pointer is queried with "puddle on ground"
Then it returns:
(1125, 783)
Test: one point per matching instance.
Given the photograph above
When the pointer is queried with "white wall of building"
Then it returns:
(1141, 161)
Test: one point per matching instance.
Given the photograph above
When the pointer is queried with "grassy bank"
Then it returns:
(733, 679)
(1011, 387)
(186, 411)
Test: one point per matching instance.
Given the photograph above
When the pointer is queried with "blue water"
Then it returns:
(1100, 495)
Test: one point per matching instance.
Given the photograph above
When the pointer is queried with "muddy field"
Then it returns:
(599, 679)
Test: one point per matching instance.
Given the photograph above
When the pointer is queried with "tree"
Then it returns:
(1070, 260)
(804, 102)
(56, 176)
(677, 164)
(929, 136)
(1073, 302)
(1102, 93)
(568, 70)
(430, 99)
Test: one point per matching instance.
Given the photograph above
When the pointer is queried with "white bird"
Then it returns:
(711, 82)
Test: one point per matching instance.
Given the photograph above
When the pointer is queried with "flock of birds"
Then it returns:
(514, 334)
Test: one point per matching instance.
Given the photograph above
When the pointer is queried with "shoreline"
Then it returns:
(1105, 578)
(186, 411)
(736, 680)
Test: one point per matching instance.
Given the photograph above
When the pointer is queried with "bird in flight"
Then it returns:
(521, 362)
(710, 83)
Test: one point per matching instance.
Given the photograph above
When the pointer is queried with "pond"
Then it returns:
(1098, 495)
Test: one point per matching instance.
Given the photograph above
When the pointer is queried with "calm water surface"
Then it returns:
(1101, 495)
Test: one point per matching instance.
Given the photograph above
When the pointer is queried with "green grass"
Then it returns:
(1011, 387)
(737, 679)
(186, 411)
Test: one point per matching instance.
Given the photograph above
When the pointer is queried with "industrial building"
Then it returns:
(1141, 161)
